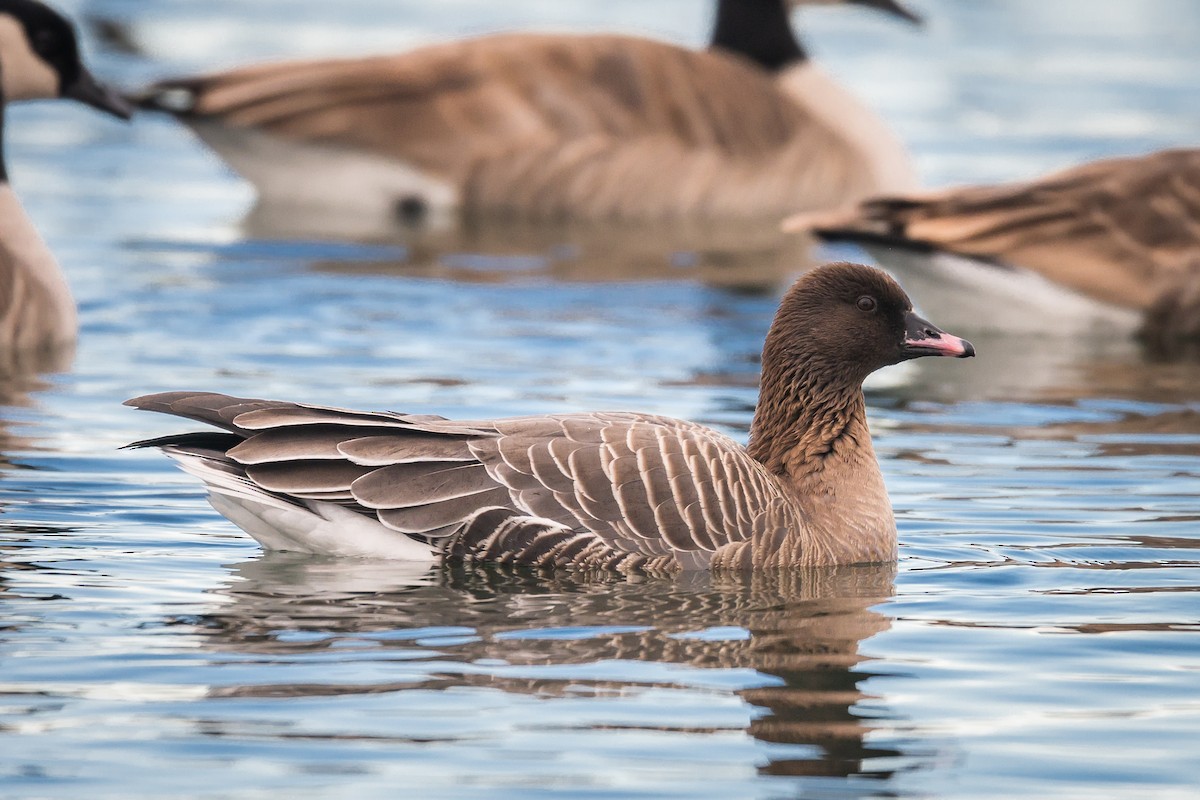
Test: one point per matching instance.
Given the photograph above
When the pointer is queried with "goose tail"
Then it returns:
(279, 522)
(879, 221)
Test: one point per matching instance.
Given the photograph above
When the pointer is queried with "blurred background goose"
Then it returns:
(553, 126)
(605, 490)
(39, 58)
(1112, 244)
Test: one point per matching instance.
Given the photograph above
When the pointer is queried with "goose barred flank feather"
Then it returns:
(597, 490)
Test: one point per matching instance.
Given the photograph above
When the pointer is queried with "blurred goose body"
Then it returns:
(38, 59)
(546, 126)
(599, 490)
(1112, 245)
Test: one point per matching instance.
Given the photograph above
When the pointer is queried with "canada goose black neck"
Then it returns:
(51, 36)
(759, 30)
(42, 60)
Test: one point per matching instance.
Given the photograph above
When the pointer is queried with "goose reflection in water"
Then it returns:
(733, 254)
(801, 631)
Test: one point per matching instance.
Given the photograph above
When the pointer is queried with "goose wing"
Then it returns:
(598, 489)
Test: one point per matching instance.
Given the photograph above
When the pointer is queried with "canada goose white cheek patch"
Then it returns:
(24, 75)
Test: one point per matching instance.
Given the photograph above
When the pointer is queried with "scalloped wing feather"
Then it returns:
(637, 488)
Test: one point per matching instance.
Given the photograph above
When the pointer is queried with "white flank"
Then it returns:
(959, 292)
(302, 526)
(293, 173)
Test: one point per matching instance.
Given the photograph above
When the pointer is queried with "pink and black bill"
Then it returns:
(923, 338)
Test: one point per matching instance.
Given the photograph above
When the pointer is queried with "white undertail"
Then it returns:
(311, 526)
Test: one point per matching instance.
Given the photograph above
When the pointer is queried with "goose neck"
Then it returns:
(798, 426)
(759, 30)
(819, 446)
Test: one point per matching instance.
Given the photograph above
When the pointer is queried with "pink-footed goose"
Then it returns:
(39, 58)
(1112, 244)
(555, 126)
(603, 490)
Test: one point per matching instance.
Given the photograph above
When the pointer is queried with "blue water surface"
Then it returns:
(1040, 636)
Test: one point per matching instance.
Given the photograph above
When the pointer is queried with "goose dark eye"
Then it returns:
(867, 303)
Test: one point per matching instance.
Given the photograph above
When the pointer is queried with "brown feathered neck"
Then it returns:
(803, 413)
(759, 30)
(814, 361)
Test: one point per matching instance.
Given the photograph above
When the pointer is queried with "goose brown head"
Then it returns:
(834, 327)
(842, 321)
